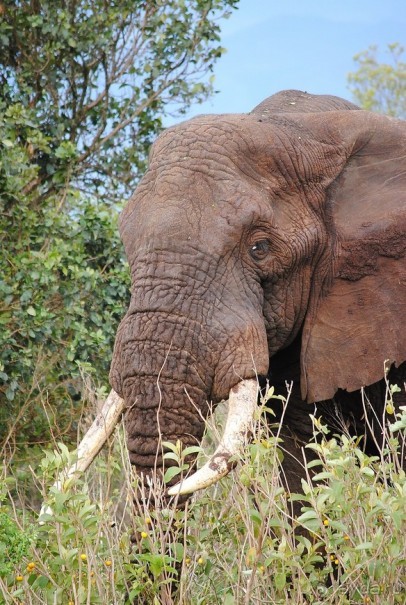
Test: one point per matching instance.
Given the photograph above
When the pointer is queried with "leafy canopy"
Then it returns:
(380, 86)
(100, 77)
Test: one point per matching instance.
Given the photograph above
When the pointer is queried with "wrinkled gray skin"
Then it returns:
(268, 244)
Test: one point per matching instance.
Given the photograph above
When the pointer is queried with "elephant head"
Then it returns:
(249, 233)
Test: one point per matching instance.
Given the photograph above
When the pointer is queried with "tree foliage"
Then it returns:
(380, 86)
(100, 76)
(84, 86)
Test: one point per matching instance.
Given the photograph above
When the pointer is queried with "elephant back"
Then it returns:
(297, 101)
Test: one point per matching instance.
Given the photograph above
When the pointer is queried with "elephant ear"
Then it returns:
(357, 319)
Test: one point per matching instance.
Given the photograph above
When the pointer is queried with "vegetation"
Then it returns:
(233, 544)
(84, 86)
(380, 86)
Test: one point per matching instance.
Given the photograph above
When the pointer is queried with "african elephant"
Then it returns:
(272, 245)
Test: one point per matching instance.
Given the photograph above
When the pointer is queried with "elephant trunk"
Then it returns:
(174, 356)
(160, 373)
(166, 387)
(161, 410)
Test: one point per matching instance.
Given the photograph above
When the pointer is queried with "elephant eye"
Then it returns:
(260, 249)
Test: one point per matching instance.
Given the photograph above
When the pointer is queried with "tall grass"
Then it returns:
(236, 543)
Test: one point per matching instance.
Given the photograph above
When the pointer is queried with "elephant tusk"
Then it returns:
(242, 404)
(91, 444)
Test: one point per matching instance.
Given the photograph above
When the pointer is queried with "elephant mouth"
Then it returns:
(242, 404)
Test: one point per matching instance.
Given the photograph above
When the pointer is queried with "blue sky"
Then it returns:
(306, 44)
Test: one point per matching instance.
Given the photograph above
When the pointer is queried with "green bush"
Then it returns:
(14, 545)
(84, 87)
(234, 543)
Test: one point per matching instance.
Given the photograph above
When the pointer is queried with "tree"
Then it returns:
(101, 75)
(84, 87)
(380, 86)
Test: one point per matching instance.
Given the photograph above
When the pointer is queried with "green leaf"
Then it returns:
(280, 580)
(42, 582)
(179, 551)
(10, 394)
(171, 472)
(156, 564)
(364, 546)
(170, 446)
(255, 516)
(171, 456)
(305, 487)
(31, 311)
(322, 475)
(192, 449)
(367, 471)
(309, 514)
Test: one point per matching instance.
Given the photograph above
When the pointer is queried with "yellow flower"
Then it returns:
(261, 569)
(148, 521)
(19, 578)
(83, 556)
(346, 537)
(187, 561)
(200, 560)
(389, 410)
(325, 522)
(108, 563)
(31, 566)
(336, 561)
(144, 534)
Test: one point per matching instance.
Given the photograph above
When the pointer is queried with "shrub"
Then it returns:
(234, 543)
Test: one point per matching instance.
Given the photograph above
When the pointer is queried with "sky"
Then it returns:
(309, 45)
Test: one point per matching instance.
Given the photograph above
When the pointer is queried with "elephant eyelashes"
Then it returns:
(260, 249)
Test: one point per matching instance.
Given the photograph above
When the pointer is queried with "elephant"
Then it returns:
(267, 246)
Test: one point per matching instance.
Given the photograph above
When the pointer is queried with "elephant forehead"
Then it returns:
(222, 146)
(223, 137)
(207, 179)
(212, 213)
(199, 171)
